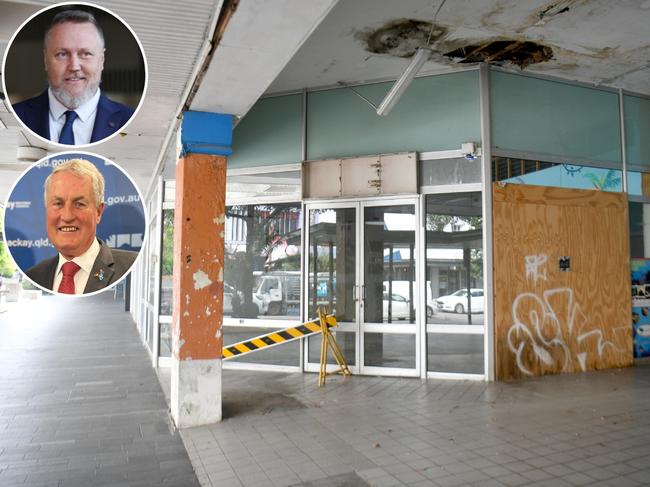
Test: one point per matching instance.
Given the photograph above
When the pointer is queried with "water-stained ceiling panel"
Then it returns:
(595, 41)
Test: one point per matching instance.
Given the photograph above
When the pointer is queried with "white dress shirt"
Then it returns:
(85, 261)
(82, 126)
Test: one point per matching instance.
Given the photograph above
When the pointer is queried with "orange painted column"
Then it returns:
(199, 222)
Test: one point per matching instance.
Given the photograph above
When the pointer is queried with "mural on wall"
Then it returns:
(641, 306)
(576, 176)
(561, 280)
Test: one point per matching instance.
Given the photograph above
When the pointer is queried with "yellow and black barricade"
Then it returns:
(277, 337)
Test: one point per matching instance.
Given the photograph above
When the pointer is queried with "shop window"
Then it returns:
(166, 282)
(262, 261)
(457, 353)
(565, 175)
(454, 259)
(639, 233)
(458, 170)
(262, 284)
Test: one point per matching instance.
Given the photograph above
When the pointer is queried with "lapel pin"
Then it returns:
(99, 275)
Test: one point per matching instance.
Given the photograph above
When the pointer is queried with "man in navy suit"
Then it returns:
(73, 110)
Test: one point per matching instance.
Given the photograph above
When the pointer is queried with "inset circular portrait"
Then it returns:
(74, 223)
(75, 74)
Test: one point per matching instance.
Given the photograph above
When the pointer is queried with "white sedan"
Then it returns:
(400, 309)
(457, 302)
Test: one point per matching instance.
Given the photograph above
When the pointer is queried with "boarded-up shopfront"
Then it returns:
(561, 280)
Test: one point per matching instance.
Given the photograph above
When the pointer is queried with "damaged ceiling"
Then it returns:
(594, 41)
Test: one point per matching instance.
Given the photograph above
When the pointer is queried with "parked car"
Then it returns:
(228, 293)
(400, 309)
(457, 302)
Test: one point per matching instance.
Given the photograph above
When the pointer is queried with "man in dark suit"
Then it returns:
(74, 203)
(73, 110)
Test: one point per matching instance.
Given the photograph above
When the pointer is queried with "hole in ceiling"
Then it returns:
(520, 53)
(400, 37)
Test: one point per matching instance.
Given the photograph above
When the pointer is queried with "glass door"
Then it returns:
(388, 332)
(331, 277)
(361, 266)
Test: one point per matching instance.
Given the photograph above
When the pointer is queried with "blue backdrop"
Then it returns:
(122, 225)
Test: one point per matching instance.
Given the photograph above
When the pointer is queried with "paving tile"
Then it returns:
(87, 394)
(99, 413)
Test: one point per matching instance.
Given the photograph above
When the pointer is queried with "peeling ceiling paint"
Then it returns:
(593, 41)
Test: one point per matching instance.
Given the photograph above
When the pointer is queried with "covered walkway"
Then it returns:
(80, 406)
(79, 402)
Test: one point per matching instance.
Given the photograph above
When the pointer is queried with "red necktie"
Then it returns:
(67, 283)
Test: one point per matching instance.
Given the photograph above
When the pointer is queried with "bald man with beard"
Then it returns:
(73, 110)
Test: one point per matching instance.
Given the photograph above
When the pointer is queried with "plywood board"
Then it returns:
(553, 321)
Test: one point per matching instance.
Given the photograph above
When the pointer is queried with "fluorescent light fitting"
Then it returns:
(400, 86)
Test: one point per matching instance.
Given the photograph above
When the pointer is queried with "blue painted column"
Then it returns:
(199, 222)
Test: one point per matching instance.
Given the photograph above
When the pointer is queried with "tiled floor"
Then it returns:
(80, 406)
(79, 402)
(281, 430)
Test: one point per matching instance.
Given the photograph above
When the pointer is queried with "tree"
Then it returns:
(262, 236)
(167, 267)
(7, 267)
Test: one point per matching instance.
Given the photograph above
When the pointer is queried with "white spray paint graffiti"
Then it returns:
(538, 327)
(533, 263)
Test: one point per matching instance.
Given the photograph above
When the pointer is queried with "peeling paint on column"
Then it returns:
(198, 281)
(201, 279)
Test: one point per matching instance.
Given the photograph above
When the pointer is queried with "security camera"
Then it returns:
(468, 150)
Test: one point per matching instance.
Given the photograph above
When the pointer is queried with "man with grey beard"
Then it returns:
(73, 110)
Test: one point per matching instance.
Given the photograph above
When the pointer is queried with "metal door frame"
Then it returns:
(359, 327)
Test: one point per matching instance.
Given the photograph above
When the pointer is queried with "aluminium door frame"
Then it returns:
(359, 326)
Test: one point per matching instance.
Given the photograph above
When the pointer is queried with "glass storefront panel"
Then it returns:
(454, 352)
(167, 264)
(262, 262)
(346, 341)
(389, 264)
(458, 170)
(639, 231)
(153, 257)
(332, 262)
(389, 350)
(566, 175)
(454, 259)
(286, 354)
(165, 340)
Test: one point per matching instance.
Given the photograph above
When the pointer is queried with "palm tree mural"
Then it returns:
(610, 180)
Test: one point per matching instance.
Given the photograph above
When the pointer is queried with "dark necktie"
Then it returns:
(69, 269)
(67, 135)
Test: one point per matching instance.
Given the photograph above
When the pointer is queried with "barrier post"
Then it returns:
(328, 341)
